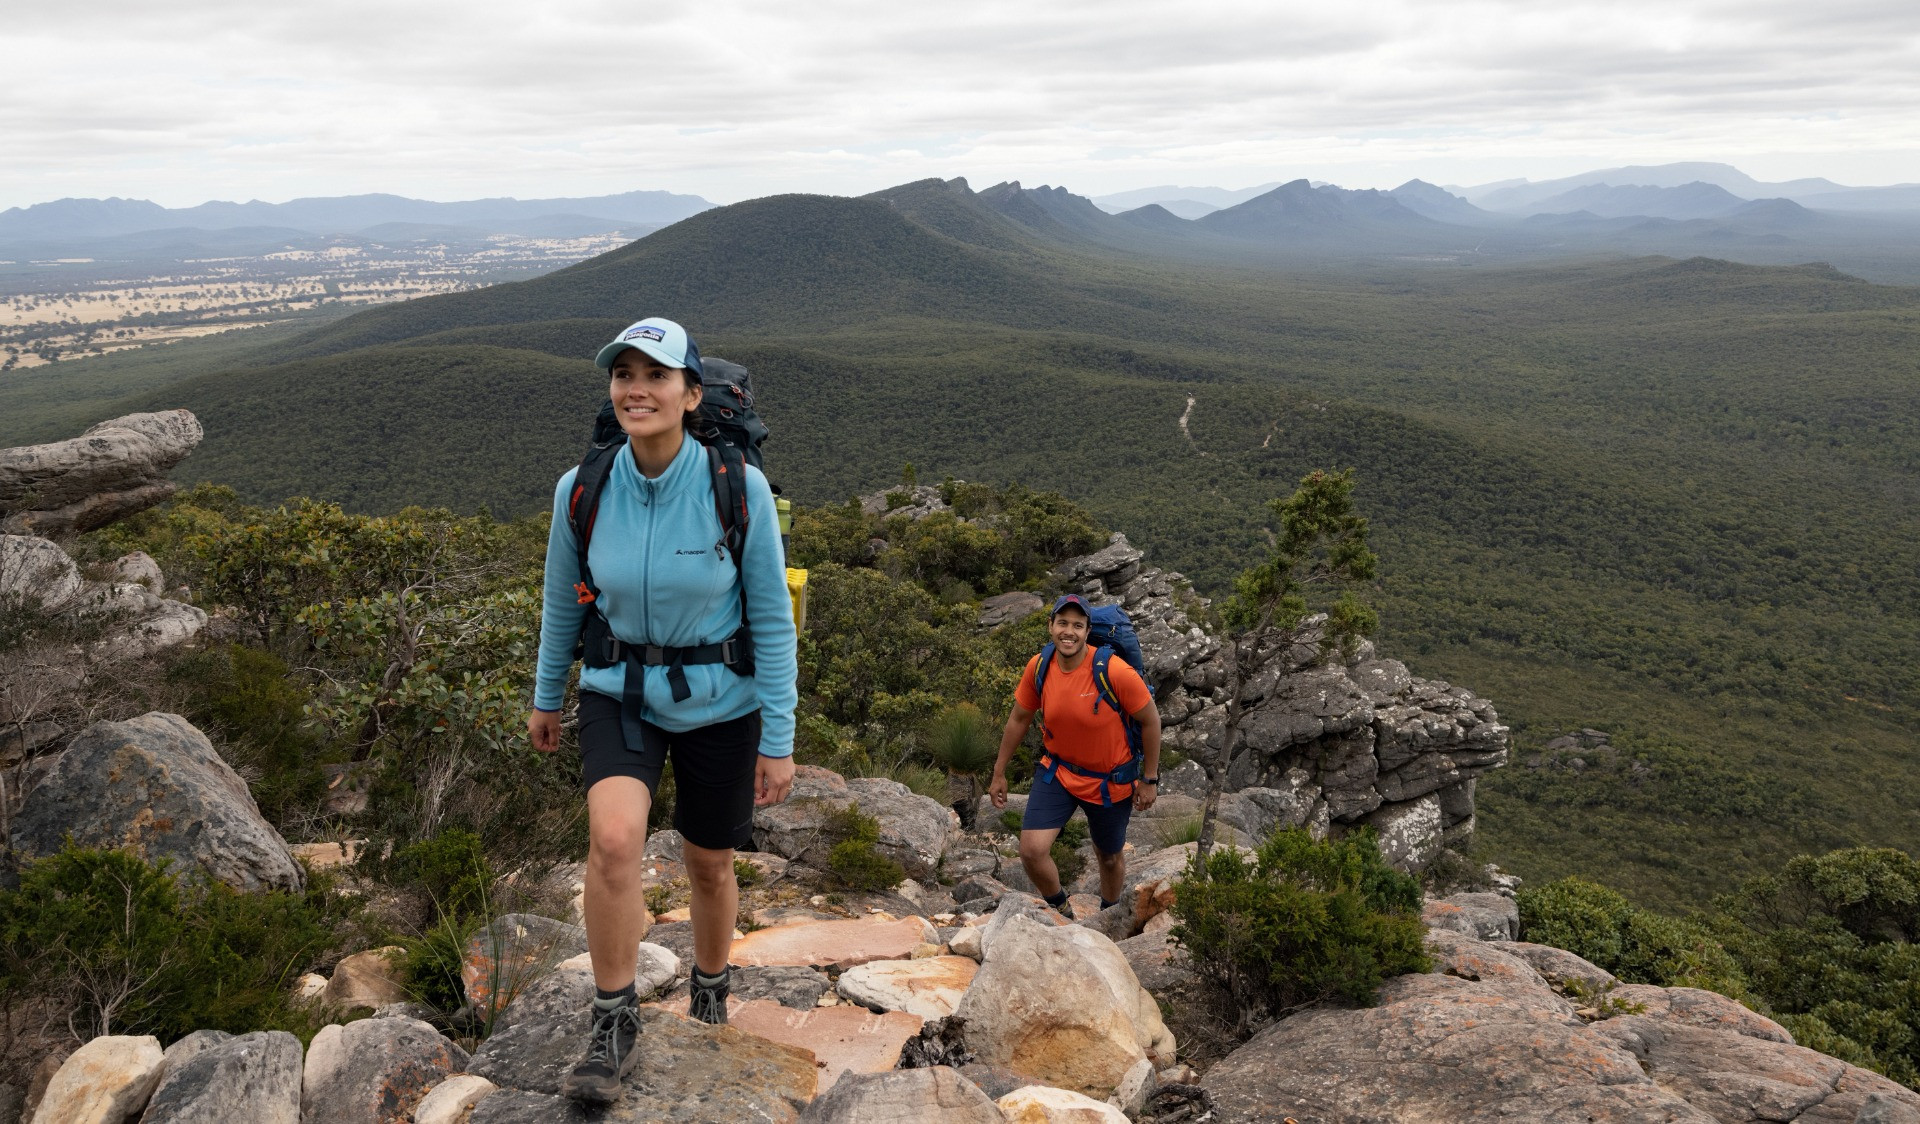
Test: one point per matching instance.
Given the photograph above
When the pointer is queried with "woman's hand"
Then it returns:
(543, 727)
(772, 780)
(997, 789)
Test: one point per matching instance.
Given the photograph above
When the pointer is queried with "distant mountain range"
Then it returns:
(70, 220)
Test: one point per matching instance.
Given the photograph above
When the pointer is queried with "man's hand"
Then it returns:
(772, 780)
(1144, 795)
(543, 726)
(997, 790)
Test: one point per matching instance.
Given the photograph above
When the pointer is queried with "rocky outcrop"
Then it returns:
(1330, 741)
(512, 952)
(930, 987)
(915, 831)
(837, 944)
(155, 784)
(125, 617)
(113, 470)
(1487, 1037)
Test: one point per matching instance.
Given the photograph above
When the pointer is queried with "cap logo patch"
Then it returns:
(645, 332)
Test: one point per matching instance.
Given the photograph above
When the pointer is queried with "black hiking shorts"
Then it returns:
(713, 768)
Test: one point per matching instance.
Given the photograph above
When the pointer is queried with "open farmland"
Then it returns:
(67, 308)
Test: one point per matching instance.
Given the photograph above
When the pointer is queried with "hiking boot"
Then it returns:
(611, 1054)
(707, 1000)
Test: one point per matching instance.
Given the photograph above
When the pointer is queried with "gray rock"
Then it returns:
(1185, 779)
(1487, 917)
(1008, 607)
(688, 1071)
(374, 1071)
(37, 573)
(935, 1093)
(568, 988)
(915, 831)
(799, 988)
(511, 952)
(254, 1077)
(664, 845)
(978, 886)
(156, 785)
(1409, 833)
(113, 470)
(995, 1081)
(1160, 964)
(1879, 1108)
(17, 743)
(962, 864)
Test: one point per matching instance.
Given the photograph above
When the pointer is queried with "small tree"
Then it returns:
(962, 740)
(1322, 544)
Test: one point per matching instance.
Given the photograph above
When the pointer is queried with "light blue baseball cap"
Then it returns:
(657, 336)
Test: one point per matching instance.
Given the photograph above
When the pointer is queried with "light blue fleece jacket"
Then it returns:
(664, 580)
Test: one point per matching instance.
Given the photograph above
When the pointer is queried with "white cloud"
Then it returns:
(730, 99)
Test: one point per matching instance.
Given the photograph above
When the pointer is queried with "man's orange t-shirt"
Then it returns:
(1073, 732)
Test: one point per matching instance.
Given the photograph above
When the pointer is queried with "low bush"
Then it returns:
(1637, 945)
(119, 946)
(1299, 922)
(854, 859)
(248, 699)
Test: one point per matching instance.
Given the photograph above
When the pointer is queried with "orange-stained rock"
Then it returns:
(1040, 1104)
(930, 987)
(841, 944)
(104, 1081)
(512, 952)
(843, 1039)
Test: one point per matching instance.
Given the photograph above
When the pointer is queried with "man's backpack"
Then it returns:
(726, 424)
(1109, 634)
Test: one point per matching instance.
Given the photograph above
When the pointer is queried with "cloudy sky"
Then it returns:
(234, 99)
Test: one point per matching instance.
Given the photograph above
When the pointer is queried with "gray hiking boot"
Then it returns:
(707, 999)
(611, 1055)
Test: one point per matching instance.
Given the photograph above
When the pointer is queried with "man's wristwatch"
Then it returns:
(1150, 780)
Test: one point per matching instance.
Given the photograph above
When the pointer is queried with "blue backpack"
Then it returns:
(1109, 633)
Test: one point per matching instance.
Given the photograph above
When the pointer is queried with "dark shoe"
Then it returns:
(708, 1002)
(611, 1055)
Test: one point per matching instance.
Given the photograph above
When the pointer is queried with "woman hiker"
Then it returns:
(701, 669)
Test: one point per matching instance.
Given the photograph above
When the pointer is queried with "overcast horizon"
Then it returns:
(730, 101)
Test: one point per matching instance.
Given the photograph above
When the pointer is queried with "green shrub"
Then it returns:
(431, 970)
(1299, 922)
(129, 948)
(450, 868)
(745, 873)
(249, 698)
(854, 859)
(1637, 945)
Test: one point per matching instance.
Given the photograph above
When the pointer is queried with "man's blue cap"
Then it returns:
(1073, 599)
(664, 340)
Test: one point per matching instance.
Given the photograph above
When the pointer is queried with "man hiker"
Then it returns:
(1101, 734)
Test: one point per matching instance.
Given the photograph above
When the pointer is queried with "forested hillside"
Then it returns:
(1675, 500)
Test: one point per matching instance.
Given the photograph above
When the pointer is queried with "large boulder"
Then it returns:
(1041, 1104)
(915, 831)
(114, 469)
(1060, 1005)
(936, 1093)
(103, 1082)
(1485, 1037)
(1490, 917)
(253, 1077)
(35, 573)
(154, 784)
(374, 1071)
(567, 989)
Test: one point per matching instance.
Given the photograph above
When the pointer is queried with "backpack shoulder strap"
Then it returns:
(584, 504)
(729, 467)
(1040, 671)
(1103, 688)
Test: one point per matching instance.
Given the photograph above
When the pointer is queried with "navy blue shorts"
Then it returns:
(1050, 806)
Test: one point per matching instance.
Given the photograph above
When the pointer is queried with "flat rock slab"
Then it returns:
(838, 944)
(930, 987)
(842, 1039)
(689, 1073)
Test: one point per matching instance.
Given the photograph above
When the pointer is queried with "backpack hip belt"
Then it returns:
(1127, 772)
(601, 648)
